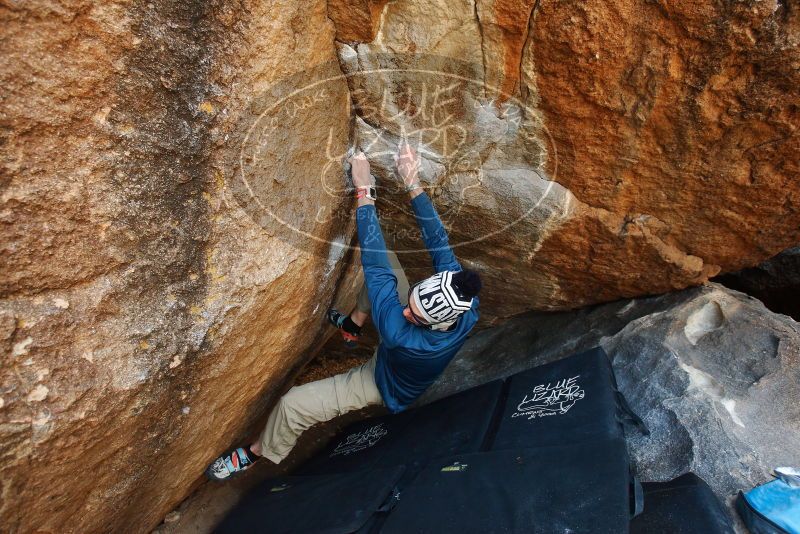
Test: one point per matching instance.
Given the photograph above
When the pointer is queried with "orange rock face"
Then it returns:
(175, 220)
(355, 21)
(680, 121)
(147, 317)
(615, 149)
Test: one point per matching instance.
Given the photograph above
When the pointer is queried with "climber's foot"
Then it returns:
(339, 320)
(231, 464)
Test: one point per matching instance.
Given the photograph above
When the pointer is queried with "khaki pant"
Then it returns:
(315, 402)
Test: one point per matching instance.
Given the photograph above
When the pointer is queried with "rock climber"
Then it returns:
(421, 327)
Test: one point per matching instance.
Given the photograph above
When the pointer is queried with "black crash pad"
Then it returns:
(571, 400)
(330, 504)
(455, 424)
(685, 505)
(581, 488)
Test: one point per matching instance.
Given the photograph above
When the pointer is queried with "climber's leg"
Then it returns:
(315, 402)
(349, 329)
(231, 464)
(359, 317)
(350, 326)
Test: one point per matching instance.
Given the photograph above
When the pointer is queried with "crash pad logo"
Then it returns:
(550, 399)
(359, 441)
(455, 467)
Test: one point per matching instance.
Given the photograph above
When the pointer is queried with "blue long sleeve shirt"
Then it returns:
(410, 358)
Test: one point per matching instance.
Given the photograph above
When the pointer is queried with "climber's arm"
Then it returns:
(433, 231)
(434, 234)
(387, 312)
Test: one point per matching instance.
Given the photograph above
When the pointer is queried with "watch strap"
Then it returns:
(367, 192)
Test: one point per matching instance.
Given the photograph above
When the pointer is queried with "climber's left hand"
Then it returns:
(360, 170)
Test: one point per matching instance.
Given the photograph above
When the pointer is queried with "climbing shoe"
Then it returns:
(231, 464)
(350, 331)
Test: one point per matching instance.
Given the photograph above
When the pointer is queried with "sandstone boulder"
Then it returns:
(588, 151)
(148, 317)
(175, 220)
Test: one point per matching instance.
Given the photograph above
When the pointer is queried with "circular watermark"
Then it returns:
(482, 152)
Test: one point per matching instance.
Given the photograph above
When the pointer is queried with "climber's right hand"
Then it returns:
(408, 164)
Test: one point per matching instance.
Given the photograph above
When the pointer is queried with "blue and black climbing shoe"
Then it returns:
(350, 331)
(231, 464)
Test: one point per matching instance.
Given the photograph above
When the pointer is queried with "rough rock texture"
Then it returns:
(669, 132)
(147, 319)
(775, 282)
(714, 374)
(354, 20)
(174, 221)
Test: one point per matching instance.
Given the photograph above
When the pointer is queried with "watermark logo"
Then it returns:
(481, 151)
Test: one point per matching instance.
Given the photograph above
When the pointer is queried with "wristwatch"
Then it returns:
(413, 187)
(367, 192)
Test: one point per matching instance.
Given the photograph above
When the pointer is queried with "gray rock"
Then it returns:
(714, 374)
